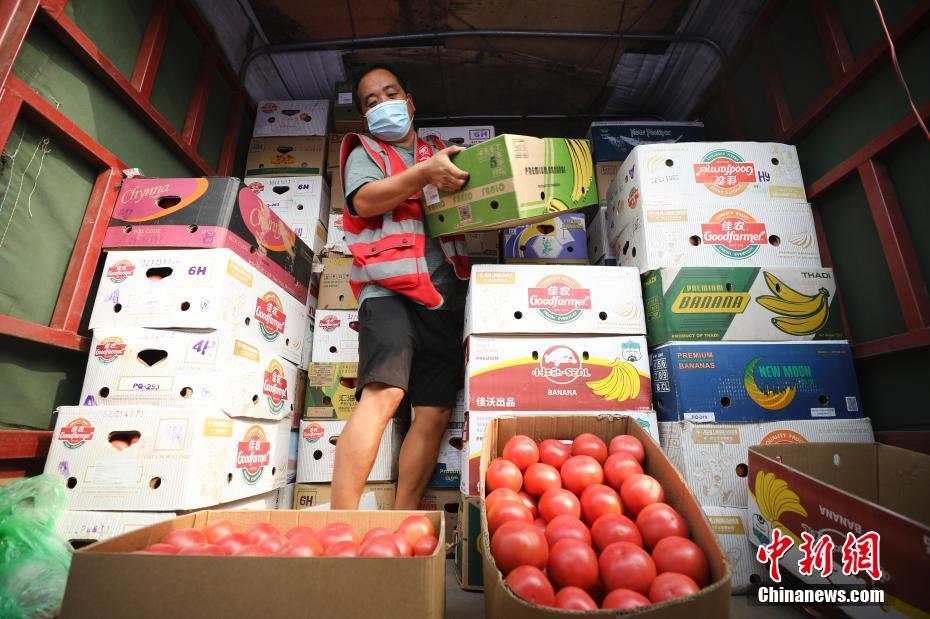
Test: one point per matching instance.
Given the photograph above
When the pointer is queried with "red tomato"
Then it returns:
(681, 555)
(302, 546)
(161, 549)
(233, 542)
(182, 538)
(573, 598)
(597, 500)
(505, 511)
(299, 531)
(337, 532)
(554, 452)
(566, 527)
(503, 474)
(416, 526)
(540, 524)
(344, 548)
(522, 451)
(259, 531)
(376, 532)
(579, 472)
(659, 520)
(671, 585)
(501, 494)
(216, 531)
(425, 546)
(559, 501)
(588, 444)
(274, 543)
(540, 477)
(611, 528)
(253, 551)
(618, 467)
(626, 566)
(531, 503)
(628, 444)
(519, 543)
(532, 585)
(638, 491)
(381, 547)
(403, 544)
(572, 563)
(624, 599)
(203, 549)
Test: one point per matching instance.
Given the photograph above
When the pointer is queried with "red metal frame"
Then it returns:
(839, 55)
(774, 84)
(23, 452)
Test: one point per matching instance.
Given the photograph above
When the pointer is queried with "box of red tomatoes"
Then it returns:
(248, 563)
(586, 513)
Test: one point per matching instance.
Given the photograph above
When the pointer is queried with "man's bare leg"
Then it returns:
(357, 446)
(418, 454)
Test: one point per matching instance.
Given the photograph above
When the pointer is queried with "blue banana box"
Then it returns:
(754, 382)
(613, 140)
(560, 240)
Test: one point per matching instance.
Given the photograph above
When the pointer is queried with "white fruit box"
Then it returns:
(730, 524)
(534, 373)
(654, 235)
(197, 289)
(713, 458)
(477, 421)
(316, 451)
(307, 349)
(554, 299)
(598, 244)
(164, 458)
(336, 234)
(335, 336)
(302, 202)
(459, 136)
(303, 117)
(154, 367)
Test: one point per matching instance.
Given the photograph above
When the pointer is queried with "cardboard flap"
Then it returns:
(900, 473)
(852, 468)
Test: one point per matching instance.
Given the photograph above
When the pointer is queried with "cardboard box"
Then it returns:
(510, 299)
(307, 348)
(460, 136)
(448, 471)
(335, 291)
(560, 240)
(346, 116)
(337, 197)
(444, 500)
(713, 457)
(483, 247)
(330, 390)
(840, 489)
(317, 451)
(308, 496)
(712, 601)
(286, 156)
(335, 337)
(754, 381)
(164, 213)
(513, 179)
(730, 525)
(333, 151)
(336, 235)
(557, 373)
(599, 247)
(313, 293)
(476, 423)
(302, 202)
(292, 457)
(469, 568)
(276, 118)
(176, 459)
(613, 140)
(605, 171)
(256, 586)
(153, 367)
(83, 528)
(198, 289)
(741, 304)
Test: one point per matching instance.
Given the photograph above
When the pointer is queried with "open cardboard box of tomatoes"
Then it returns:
(578, 561)
(111, 574)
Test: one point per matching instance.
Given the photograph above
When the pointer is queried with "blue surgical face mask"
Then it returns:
(389, 120)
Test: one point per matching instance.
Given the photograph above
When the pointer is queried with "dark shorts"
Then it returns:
(403, 344)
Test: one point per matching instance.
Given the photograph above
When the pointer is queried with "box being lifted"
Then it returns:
(197, 289)
(459, 136)
(306, 117)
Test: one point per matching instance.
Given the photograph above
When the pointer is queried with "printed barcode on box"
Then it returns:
(464, 213)
(852, 404)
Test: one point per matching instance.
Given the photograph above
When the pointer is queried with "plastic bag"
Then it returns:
(34, 559)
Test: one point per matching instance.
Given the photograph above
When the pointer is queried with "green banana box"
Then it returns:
(513, 179)
(740, 304)
(330, 390)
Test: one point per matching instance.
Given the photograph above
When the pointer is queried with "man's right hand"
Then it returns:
(442, 173)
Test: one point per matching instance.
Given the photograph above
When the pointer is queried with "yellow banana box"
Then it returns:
(740, 304)
(754, 381)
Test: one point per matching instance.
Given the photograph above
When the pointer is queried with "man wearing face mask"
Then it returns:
(410, 289)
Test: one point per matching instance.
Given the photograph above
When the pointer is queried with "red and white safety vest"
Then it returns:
(390, 249)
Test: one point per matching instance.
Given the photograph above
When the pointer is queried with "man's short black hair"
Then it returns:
(361, 73)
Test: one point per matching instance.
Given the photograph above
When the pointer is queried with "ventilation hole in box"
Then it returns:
(229, 478)
(185, 306)
(127, 229)
(123, 440)
(254, 399)
(317, 455)
(353, 324)
(287, 341)
(456, 443)
(248, 321)
(626, 247)
(774, 240)
(192, 228)
(570, 249)
(187, 392)
(542, 195)
(151, 356)
(442, 218)
(729, 287)
(725, 401)
(292, 407)
(823, 399)
(342, 297)
(333, 440)
(777, 287)
(327, 400)
(837, 460)
(274, 470)
(774, 160)
(270, 119)
(300, 207)
(155, 483)
(494, 204)
(518, 315)
(349, 383)
(535, 355)
(633, 252)
(253, 249)
(168, 201)
(694, 240)
(754, 579)
(332, 349)
(117, 308)
(158, 273)
(523, 248)
(742, 470)
(71, 483)
(451, 508)
(602, 315)
(104, 392)
(585, 355)
(281, 189)
(669, 162)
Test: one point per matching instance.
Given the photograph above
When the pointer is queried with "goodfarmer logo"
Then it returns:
(734, 234)
(269, 107)
(76, 433)
(313, 432)
(275, 386)
(561, 365)
(120, 271)
(269, 312)
(330, 323)
(253, 454)
(724, 173)
(109, 349)
(559, 299)
(256, 186)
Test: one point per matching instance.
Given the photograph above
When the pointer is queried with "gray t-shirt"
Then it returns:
(360, 169)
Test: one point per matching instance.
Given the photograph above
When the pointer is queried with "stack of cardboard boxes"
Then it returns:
(746, 339)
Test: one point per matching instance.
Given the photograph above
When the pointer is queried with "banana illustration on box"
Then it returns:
(582, 174)
(798, 313)
(622, 383)
(775, 498)
(768, 399)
